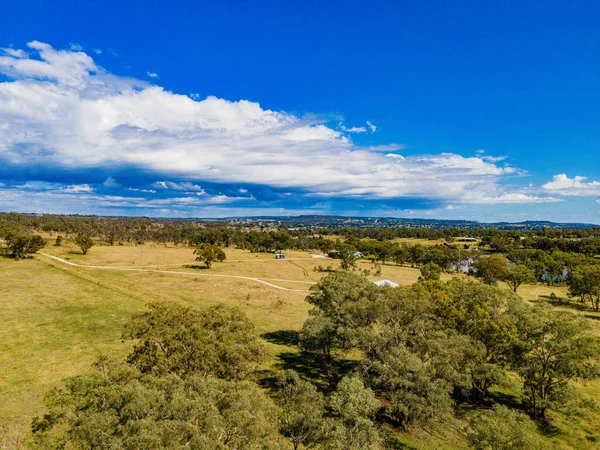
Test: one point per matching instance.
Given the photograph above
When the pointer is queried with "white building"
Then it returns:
(386, 283)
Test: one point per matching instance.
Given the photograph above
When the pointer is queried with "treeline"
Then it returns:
(373, 361)
(128, 229)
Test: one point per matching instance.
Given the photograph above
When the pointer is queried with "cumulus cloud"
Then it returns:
(111, 183)
(352, 129)
(20, 54)
(493, 159)
(53, 197)
(510, 198)
(152, 74)
(77, 188)
(183, 186)
(62, 110)
(561, 184)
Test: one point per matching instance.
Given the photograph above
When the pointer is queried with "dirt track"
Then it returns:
(175, 272)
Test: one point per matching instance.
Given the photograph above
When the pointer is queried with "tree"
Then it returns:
(354, 407)
(417, 254)
(584, 281)
(59, 241)
(85, 243)
(415, 369)
(302, 408)
(117, 406)
(218, 341)
(491, 269)
(519, 274)
(400, 254)
(502, 429)
(553, 348)
(348, 301)
(209, 253)
(23, 245)
(347, 254)
(431, 271)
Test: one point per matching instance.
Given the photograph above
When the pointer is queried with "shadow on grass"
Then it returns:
(195, 266)
(575, 306)
(547, 429)
(510, 400)
(322, 372)
(393, 443)
(282, 337)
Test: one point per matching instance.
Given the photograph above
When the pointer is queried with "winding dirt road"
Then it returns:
(175, 272)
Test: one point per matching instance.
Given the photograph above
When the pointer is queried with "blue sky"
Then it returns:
(468, 109)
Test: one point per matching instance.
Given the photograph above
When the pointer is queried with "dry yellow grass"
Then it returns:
(57, 319)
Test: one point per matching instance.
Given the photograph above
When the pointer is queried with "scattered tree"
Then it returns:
(431, 271)
(347, 254)
(491, 269)
(208, 253)
(84, 242)
(23, 245)
(553, 348)
(519, 274)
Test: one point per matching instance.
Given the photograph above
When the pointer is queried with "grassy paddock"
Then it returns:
(53, 325)
(56, 320)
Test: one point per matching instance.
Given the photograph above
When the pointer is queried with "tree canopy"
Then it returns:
(209, 253)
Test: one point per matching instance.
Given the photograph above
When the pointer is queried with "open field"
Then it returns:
(56, 319)
(52, 325)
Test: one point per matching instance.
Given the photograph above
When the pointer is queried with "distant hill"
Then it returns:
(383, 222)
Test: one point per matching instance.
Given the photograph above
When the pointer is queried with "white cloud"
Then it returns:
(357, 130)
(493, 159)
(75, 47)
(98, 51)
(509, 198)
(183, 186)
(77, 188)
(20, 54)
(352, 129)
(111, 183)
(53, 197)
(68, 112)
(148, 191)
(385, 148)
(561, 184)
(152, 74)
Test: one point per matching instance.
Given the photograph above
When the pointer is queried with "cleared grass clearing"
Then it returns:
(52, 325)
(150, 254)
(414, 241)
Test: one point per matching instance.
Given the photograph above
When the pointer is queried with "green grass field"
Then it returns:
(57, 319)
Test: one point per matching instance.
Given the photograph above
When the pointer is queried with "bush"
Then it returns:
(502, 429)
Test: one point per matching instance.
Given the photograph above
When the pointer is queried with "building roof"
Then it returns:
(387, 283)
